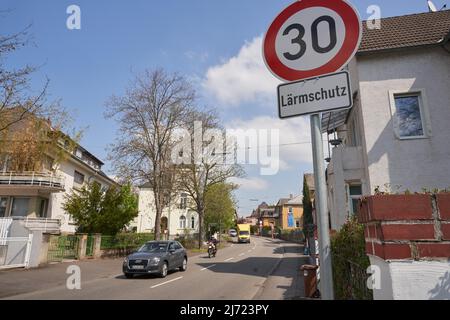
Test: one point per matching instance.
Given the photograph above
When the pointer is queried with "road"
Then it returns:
(264, 269)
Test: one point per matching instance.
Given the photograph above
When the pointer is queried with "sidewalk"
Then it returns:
(286, 280)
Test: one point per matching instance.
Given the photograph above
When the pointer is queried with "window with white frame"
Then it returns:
(410, 117)
(182, 222)
(183, 201)
(354, 194)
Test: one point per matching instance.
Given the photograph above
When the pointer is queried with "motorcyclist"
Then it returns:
(213, 241)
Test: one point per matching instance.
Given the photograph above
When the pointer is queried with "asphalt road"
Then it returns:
(263, 269)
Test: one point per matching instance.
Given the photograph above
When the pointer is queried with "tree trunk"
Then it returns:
(200, 212)
(158, 217)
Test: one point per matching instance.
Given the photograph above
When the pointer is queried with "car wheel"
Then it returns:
(164, 270)
(184, 265)
(129, 275)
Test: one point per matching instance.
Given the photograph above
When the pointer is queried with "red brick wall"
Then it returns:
(407, 226)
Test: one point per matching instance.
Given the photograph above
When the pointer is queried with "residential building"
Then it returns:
(176, 220)
(37, 196)
(290, 212)
(395, 137)
(269, 216)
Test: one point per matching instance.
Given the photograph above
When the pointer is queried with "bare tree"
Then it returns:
(208, 166)
(16, 98)
(152, 109)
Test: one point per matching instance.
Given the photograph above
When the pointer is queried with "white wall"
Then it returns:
(67, 170)
(147, 214)
(412, 280)
(411, 164)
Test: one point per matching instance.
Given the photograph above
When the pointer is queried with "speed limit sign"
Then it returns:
(311, 38)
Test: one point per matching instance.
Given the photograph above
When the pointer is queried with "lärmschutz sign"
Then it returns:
(315, 95)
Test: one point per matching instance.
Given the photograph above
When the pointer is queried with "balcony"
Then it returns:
(38, 180)
(34, 224)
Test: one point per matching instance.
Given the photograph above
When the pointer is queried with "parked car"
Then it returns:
(156, 257)
(232, 233)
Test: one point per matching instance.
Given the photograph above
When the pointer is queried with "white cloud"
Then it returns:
(253, 183)
(295, 137)
(243, 78)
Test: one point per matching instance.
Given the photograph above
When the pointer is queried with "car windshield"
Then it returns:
(244, 233)
(153, 247)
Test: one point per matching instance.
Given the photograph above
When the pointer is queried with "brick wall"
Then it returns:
(413, 226)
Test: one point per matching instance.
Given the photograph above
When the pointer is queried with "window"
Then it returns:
(192, 222)
(297, 223)
(355, 193)
(20, 207)
(182, 222)
(183, 201)
(177, 246)
(410, 116)
(78, 177)
(3, 205)
(43, 208)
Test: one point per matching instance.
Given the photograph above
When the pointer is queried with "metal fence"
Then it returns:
(350, 280)
(125, 241)
(15, 252)
(63, 247)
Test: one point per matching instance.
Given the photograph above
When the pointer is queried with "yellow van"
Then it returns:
(243, 232)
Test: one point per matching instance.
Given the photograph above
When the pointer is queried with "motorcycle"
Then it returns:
(212, 250)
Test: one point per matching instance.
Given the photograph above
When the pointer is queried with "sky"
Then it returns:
(216, 45)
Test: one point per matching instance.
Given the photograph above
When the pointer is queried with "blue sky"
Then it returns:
(215, 44)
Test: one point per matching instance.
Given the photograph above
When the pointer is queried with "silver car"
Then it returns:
(156, 257)
(232, 233)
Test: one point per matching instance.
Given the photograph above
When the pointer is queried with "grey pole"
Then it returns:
(326, 272)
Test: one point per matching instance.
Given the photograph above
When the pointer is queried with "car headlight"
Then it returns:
(155, 260)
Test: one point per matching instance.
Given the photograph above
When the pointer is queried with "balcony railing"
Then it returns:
(40, 179)
(34, 224)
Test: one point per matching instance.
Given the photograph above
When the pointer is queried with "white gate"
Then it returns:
(14, 251)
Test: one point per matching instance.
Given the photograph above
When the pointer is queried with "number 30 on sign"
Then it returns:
(311, 38)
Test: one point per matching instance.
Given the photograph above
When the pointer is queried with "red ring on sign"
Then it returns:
(350, 45)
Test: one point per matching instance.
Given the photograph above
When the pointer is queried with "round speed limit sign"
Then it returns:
(311, 38)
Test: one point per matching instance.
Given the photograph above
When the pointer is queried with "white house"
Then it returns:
(397, 132)
(396, 138)
(37, 197)
(177, 218)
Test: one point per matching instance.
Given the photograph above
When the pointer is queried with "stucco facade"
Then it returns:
(372, 154)
(178, 218)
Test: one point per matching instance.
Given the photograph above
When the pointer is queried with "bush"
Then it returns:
(295, 235)
(350, 262)
(188, 241)
(254, 229)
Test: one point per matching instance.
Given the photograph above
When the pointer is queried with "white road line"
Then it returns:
(249, 250)
(160, 284)
(228, 259)
(241, 254)
(209, 267)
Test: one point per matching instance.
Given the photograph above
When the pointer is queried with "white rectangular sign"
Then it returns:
(315, 95)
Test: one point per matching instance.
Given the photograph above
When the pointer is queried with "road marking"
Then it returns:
(209, 267)
(228, 259)
(241, 254)
(232, 245)
(249, 250)
(160, 284)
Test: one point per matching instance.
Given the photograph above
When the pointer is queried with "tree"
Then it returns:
(97, 211)
(308, 221)
(207, 167)
(220, 206)
(152, 109)
(17, 101)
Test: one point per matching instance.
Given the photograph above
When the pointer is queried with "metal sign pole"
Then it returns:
(326, 272)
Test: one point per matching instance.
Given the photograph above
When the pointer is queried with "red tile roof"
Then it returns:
(407, 31)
